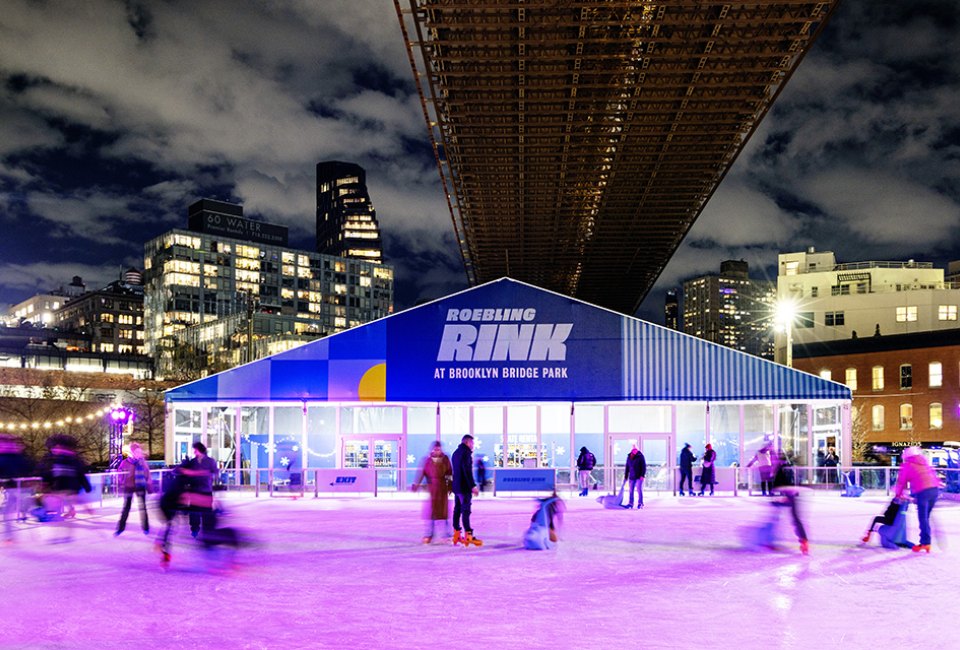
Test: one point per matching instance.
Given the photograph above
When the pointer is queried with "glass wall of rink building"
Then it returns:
(532, 375)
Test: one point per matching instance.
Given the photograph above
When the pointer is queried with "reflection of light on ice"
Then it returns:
(782, 603)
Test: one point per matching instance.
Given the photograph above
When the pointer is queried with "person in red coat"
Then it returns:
(438, 473)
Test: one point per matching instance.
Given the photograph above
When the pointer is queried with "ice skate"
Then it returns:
(804, 547)
(920, 548)
(470, 540)
(427, 540)
(456, 537)
(866, 538)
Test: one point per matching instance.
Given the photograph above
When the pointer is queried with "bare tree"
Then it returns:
(148, 420)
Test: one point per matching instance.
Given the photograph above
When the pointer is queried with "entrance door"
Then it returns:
(658, 452)
(657, 449)
(382, 452)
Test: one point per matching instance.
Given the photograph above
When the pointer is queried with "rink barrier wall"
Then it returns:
(323, 482)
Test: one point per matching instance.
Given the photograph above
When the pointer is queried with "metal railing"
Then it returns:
(379, 482)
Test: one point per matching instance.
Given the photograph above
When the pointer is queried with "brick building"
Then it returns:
(906, 387)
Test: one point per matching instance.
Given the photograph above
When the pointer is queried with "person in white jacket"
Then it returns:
(764, 462)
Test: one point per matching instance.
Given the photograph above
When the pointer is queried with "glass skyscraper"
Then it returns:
(346, 219)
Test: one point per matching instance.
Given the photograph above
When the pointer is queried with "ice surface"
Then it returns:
(352, 573)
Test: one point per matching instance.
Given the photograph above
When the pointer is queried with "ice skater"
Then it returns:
(892, 533)
(686, 469)
(924, 487)
(586, 461)
(542, 533)
(135, 480)
(464, 489)
(64, 475)
(635, 471)
(764, 461)
(708, 471)
(13, 465)
(437, 471)
(789, 495)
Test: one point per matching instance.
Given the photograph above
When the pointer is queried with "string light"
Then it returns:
(48, 424)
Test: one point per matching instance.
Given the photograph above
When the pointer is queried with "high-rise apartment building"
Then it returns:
(731, 309)
(226, 264)
(671, 310)
(346, 219)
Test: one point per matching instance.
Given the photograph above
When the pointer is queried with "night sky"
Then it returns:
(115, 116)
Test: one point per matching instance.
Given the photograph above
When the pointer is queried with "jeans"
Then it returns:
(461, 506)
(925, 502)
(127, 502)
(686, 475)
(790, 501)
(584, 476)
(638, 484)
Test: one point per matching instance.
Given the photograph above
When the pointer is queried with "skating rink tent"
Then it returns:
(531, 374)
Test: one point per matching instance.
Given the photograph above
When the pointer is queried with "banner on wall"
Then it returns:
(346, 480)
(525, 480)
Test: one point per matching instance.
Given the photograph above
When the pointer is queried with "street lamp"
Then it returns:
(118, 416)
(785, 312)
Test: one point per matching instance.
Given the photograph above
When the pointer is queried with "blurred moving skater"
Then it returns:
(64, 474)
(708, 474)
(783, 485)
(635, 471)
(924, 487)
(135, 480)
(542, 533)
(464, 489)
(586, 461)
(481, 473)
(13, 465)
(192, 493)
(686, 469)
(438, 473)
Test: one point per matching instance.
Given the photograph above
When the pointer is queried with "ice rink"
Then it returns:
(352, 573)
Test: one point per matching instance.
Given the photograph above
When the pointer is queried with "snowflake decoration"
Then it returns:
(271, 448)
(411, 459)
(296, 448)
(561, 451)
(284, 461)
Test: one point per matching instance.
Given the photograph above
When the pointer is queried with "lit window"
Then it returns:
(936, 374)
(851, 378)
(906, 417)
(936, 415)
(906, 314)
(876, 417)
(877, 375)
(826, 374)
(791, 268)
(906, 376)
(947, 312)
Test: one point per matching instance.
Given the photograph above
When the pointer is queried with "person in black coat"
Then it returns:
(686, 469)
(586, 461)
(708, 471)
(635, 472)
(464, 489)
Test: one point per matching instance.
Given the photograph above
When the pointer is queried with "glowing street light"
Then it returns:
(785, 311)
(119, 416)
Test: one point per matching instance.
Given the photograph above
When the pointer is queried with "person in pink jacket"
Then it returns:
(924, 487)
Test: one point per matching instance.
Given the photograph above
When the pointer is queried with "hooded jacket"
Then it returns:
(916, 472)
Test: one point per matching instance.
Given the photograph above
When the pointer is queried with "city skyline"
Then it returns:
(116, 117)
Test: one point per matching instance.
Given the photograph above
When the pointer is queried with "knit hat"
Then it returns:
(910, 452)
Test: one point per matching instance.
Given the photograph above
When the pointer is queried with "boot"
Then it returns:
(804, 547)
(919, 548)
(456, 537)
(427, 540)
(470, 540)
(866, 538)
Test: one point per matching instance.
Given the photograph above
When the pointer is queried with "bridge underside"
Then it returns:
(579, 140)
